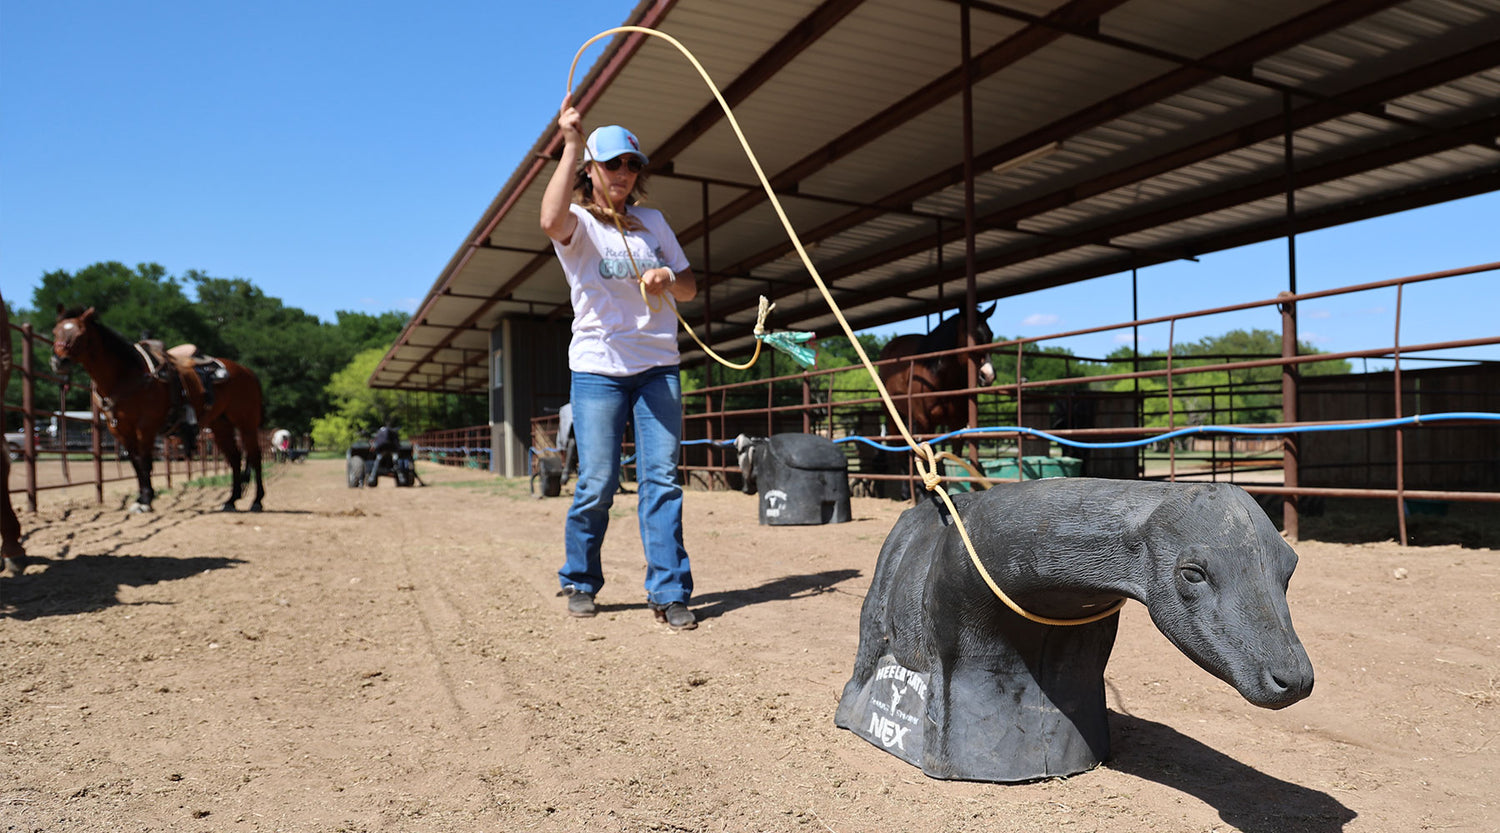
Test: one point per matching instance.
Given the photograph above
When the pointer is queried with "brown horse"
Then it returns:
(12, 554)
(908, 381)
(928, 414)
(140, 403)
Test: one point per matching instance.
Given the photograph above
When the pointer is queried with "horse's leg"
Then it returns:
(140, 460)
(11, 551)
(252, 466)
(223, 431)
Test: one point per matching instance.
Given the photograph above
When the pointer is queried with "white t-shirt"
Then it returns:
(614, 332)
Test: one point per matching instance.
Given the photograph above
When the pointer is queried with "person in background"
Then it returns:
(281, 444)
(384, 444)
(623, 358)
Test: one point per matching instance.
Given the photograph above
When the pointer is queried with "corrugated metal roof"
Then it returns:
(1107, 134)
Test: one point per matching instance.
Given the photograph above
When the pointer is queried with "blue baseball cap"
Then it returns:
(612, 140)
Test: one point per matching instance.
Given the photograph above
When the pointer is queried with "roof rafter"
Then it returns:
(1157, 216)
(1247, 51)
(944, 87)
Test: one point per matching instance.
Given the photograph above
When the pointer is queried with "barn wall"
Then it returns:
(536, 381)
(1084, 409)
(1437, 456)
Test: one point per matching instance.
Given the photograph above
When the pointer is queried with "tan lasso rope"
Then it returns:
(926, 462)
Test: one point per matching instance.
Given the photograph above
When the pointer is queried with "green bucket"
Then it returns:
(999, 468)
(1032, 468)
(1040, 468)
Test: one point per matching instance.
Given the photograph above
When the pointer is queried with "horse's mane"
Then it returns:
(116, 344)
(945, 335)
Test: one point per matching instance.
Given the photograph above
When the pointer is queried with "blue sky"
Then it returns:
(336, 153)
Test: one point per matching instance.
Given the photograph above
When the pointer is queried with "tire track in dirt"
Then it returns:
(480, 614)
(456, 627)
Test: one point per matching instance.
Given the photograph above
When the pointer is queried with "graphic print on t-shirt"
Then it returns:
(614, 262)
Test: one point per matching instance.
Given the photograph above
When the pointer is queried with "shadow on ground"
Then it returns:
(710, 605)
(1245, 798)
(1428, 523)
(89, 583)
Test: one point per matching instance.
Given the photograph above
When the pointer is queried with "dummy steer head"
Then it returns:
(747, 448)
(1219, 594)
(949, 678)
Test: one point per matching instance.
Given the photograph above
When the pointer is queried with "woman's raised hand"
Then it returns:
(570, 122)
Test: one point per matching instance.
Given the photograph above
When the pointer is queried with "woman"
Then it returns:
(623, 358)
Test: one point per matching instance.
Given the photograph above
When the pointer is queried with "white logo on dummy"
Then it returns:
(775, 501)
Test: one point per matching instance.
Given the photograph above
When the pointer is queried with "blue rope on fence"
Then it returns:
(1418, 420)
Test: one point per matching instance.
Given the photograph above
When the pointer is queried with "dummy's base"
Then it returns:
(986, 723)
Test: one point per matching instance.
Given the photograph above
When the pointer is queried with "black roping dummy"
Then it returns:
(952, 680)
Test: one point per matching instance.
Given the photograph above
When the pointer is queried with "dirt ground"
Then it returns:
(396, 660)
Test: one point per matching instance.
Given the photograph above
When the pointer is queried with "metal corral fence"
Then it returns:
(1411, 436)
(461, 447)
(60, 449)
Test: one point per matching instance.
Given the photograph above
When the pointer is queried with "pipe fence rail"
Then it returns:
(460, 447)
(1197, 416)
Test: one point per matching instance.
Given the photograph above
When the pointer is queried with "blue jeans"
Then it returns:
(601, 404)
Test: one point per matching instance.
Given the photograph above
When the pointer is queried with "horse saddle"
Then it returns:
(183, 357)
(210, 369)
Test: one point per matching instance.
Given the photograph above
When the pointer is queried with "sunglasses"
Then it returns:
(633, 164)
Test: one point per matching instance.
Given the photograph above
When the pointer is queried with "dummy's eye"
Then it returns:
(1192, 574)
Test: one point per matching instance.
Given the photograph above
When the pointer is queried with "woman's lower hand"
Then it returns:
(658, 281)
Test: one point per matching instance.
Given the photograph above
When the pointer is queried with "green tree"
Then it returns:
(292, 352)
(132, 301)
(837, 351)
(358, 409)
(1040, 364)
(1218, 397)
(361, 331)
